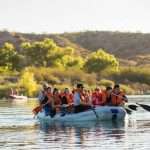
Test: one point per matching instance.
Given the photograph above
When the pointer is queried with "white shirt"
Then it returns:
(40, 96)
(76, 99)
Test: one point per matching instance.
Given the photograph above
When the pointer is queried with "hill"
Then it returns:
(130, 48)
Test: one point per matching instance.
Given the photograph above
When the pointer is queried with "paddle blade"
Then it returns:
(128, 111)
(36, 110)
(133, 107)
(144, 106)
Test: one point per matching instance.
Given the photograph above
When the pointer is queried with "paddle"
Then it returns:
(144, 106)
(93, 109)
(128, 111)
(133, 106)
(37, 109)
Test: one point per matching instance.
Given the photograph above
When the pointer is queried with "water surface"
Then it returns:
(20, 131)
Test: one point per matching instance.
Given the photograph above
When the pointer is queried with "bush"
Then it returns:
(100, 60)
(132, 74)
(105, 82)
(28, 82)
(127, 89)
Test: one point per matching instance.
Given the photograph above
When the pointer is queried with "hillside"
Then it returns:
(130, 48)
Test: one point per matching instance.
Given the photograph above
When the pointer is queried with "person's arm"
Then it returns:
(103, 99)
(125, 98)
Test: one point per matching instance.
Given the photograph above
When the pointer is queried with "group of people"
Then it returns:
(79, 99)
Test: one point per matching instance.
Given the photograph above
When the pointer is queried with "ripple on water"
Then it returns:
(19, 131)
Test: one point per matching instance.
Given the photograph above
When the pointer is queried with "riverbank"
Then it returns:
(29, 82)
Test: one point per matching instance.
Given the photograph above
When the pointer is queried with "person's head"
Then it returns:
(45, 86)
(108, 89)
(80, 87)
(49, 89)
(66, 90)
(55, 91)
(97, 90)
(116, 88)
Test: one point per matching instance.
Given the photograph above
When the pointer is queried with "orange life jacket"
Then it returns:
(117, 99)
(69, 97)
(86, 98)
(97, 98)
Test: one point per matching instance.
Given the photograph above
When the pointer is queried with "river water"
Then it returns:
(20, 131)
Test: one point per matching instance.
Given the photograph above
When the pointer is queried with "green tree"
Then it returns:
(68, 61)
(100, 60)
(9, 56)
(47, 53)
(40, 53)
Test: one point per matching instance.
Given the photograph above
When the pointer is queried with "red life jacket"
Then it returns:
(97, 98)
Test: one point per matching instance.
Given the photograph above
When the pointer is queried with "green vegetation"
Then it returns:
(44, 60)
(100, 60)
(28, 83)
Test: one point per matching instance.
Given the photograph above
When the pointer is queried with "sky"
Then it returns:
(58, 16)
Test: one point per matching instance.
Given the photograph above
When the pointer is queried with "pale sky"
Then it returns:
(58, 16)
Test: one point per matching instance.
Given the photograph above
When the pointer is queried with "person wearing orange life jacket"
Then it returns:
(78, 99)
(56, 99)
(97, 97)
(48, 103)
(66, 97)
(106, 96)
(87, 96)
(118, 98)
(66, 101)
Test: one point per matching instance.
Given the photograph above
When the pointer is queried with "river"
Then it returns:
(20, 131)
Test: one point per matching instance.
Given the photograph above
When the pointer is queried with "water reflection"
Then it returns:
(80, 132)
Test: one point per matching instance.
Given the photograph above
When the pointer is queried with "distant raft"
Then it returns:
(99, 113)
(18, 97)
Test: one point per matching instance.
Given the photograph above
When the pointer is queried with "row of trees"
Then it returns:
(46, 53)
(62, 66)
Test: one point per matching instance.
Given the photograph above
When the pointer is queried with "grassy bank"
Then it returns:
(28, 82)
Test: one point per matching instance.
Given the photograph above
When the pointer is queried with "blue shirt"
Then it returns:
(76, 99)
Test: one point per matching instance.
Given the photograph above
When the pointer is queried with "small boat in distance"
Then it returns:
(18, 97)
(15, 96)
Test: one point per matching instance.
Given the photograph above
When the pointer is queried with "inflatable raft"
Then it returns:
(18, 97)
(99, 113)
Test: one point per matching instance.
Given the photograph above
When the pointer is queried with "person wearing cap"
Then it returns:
(118, 98)
(78, 99)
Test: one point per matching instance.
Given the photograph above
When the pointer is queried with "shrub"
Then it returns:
(28, 82)
(127, 89)
(100, 60)
(105, 82)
